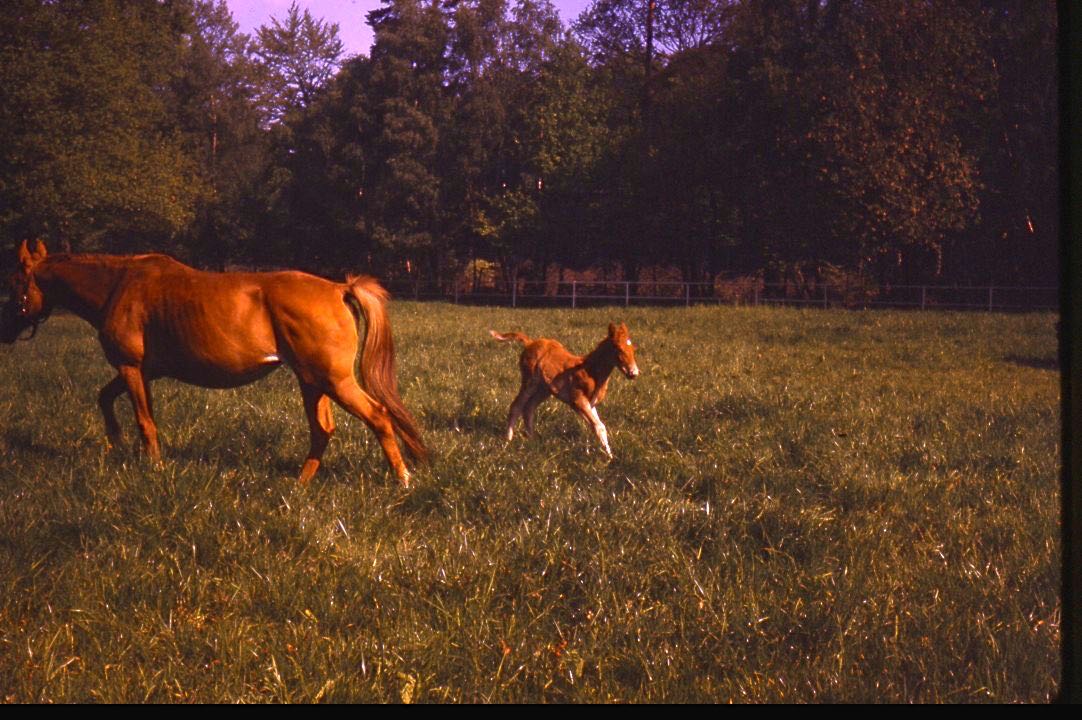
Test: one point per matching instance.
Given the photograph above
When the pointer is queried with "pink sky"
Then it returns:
(349, 14)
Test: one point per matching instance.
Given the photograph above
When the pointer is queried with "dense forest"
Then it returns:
(896, 140)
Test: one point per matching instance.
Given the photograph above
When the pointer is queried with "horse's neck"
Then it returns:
(600, 362)
(82, 284)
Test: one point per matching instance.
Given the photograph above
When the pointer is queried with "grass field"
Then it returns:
(804, 506)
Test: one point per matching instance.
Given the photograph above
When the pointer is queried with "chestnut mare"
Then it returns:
(549, 369)
(159, 318)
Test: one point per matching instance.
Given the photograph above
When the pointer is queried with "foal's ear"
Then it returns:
(612, 330)
(40, 253)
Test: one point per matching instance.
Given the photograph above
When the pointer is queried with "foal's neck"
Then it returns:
(600, 362)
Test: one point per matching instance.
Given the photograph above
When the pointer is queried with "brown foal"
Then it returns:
(549, 369)
(159, 318)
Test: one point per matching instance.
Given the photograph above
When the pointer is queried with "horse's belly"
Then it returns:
(217, 379)
(217, 374)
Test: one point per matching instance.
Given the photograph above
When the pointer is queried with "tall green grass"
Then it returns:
(803, 506)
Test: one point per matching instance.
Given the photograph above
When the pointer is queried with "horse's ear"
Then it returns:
(612, 330)
(28, 259)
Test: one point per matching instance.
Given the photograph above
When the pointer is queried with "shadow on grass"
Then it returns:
(737, 408)
(1034, 363)
(466, 422)
(20, 440)
(422, 500)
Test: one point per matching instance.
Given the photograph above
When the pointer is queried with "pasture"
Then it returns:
(804, 505)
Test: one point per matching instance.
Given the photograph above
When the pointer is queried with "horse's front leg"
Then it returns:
(106, 401)
(317, 406)
(139, 390)
(589, 413)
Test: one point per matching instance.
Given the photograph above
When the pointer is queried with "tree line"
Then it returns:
(902, 141)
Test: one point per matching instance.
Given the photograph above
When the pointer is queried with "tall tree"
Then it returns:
(1017, 237)
(90, 154)
(890, 122)
(216, 99)
(408, 104)
(298, 56)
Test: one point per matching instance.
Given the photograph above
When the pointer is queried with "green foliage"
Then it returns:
(217, 106)
(297, 56)
(90, 147)
(889, 128)
(408, 105)
(804, 506)
(909, 142)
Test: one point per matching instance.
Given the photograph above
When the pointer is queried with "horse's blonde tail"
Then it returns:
(511, 336)
(377, 360)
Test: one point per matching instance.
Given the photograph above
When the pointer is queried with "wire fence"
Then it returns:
(579, 293)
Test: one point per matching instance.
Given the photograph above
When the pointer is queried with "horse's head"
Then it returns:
(624, 349)
(26, 307)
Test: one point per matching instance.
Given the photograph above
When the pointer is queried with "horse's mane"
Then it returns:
(106, 259)
(113, 261)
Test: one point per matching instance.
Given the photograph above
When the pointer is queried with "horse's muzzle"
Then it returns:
(13, 323)
(631, 372)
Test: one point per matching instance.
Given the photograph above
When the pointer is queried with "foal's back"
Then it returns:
(546, 358)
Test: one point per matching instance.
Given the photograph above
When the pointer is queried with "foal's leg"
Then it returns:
(317, 406)
(106, 400)
(589, 414)
(519, 406)
(139, 390)
(539, 396)
(360, 404)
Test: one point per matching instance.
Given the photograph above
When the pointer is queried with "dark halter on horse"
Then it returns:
(34, 324)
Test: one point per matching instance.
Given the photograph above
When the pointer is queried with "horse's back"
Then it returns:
(221, 329)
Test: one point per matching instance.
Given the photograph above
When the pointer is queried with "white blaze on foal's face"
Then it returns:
(625, 350)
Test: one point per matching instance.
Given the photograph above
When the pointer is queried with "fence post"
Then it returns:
(756, 295)
(627, 293)
(514, 292)
(989, 298)
(572, 294)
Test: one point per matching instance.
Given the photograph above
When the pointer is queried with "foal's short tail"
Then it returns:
(377, 360)
(511, 336)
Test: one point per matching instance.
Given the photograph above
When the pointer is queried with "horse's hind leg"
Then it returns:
(360, 404)
(539, 396)
(520, 408)
(317, 406)
(139, 390)
(106, 401)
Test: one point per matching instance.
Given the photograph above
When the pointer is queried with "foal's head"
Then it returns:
(26, 306)
(624, 350)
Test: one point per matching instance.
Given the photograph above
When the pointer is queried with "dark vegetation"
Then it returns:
(895, 141)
